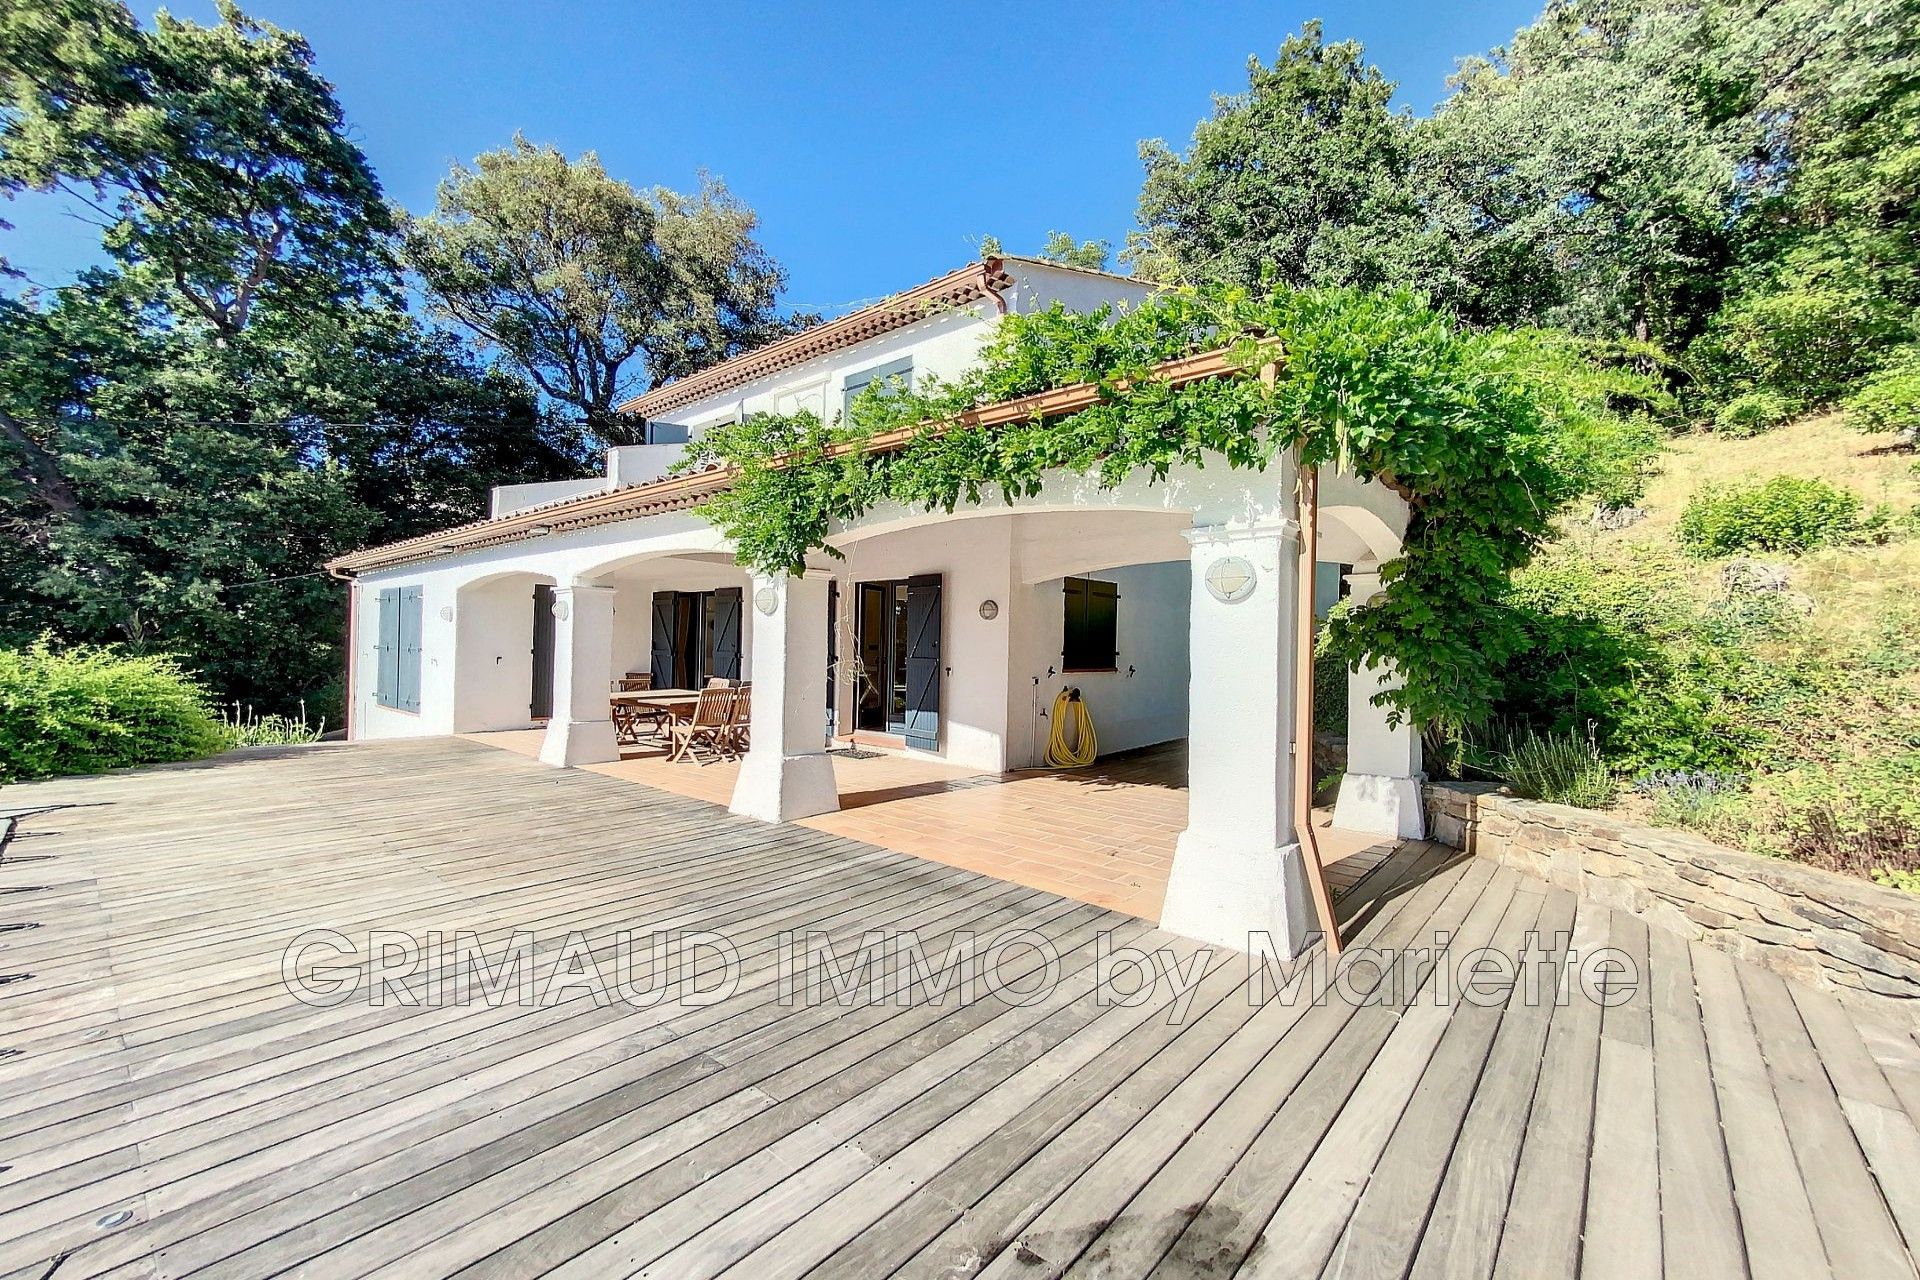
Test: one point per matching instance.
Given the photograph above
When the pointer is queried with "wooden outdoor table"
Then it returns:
(675, 704)
(657, 695)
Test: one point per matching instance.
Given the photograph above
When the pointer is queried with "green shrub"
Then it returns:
(1786, 513)
(1712, 804)
(1890, 399)
(1861, 817)
(1560, 768)
(1615, 640)
(1329, 687)
(1752, 414)
(89, 709)
(1806, 345)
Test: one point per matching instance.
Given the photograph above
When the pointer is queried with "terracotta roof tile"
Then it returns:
(684, 492)
(968, 285)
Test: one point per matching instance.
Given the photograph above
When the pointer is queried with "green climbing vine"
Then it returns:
(1487, 436)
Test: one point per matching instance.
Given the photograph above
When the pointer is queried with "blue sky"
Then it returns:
(877, 141)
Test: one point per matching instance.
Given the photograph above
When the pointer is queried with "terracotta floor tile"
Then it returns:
(1103, 835)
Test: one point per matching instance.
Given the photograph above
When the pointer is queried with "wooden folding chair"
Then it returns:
(708, 728)
(740, 722)
(630, 718)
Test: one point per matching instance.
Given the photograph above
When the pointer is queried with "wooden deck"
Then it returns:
(167, 1108)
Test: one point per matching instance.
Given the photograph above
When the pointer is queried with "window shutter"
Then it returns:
(540, 696)
(411, 601)
(386, 687)
(723, 627)
(855, 383)
(1103, 614)
(1073, 640)
(923, 662)
(1089, 640)
(664, 612)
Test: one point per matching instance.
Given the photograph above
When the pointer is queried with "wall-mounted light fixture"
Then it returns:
(1230, 579)
(989, 609)
(540, 530)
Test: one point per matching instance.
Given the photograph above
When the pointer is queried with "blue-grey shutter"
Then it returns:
(923, 662)
(855, 383)
(723, 622)
(386, 687)
(540, 701)
(409, 690)
(665, 612)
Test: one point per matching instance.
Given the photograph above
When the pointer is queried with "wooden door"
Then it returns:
(540, 705)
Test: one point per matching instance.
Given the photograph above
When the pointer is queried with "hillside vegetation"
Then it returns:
(1766, 696)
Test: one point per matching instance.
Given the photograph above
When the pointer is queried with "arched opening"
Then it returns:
(501, 665)
(678, 617)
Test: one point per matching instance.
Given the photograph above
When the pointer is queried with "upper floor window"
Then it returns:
(398, 649)
(899, 371)
(1091, 639)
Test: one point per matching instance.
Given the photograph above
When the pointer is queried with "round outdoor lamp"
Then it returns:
(989, 610)
(1230, 579)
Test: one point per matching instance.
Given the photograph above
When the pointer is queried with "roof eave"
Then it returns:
(685, 492)
(975, 282)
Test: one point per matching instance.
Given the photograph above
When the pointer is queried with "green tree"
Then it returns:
(1302, 178)
(186, 436)
(216, 157)
(1581, 177)
(593, 289)
(1088, 255)
(1826, 278)
(203, 483)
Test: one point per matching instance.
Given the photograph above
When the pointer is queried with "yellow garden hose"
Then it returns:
(1085, 744)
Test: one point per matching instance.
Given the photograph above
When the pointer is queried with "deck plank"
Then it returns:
(174, 1111)
(1623, 1179)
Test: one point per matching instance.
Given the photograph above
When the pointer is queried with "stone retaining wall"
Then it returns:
(1855, 938)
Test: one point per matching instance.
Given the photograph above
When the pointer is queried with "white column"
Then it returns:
(580, 731)
(1238, 867)
(1380, 792)
(787, 773)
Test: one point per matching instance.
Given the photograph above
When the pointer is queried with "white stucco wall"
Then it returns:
(493, 656)
(944, 345)
(1130, 709)
(973, 559)
(640, 463)
(1038, 285)
(509, 498)
(1014, 557)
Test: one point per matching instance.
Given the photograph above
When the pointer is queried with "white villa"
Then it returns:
(1171, 605)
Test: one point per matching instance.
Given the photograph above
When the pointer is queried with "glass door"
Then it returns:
(880, 703)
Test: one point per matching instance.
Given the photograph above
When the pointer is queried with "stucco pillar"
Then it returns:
(580, 730)
(787, 773)
(1380, 792)
(1238, 868)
